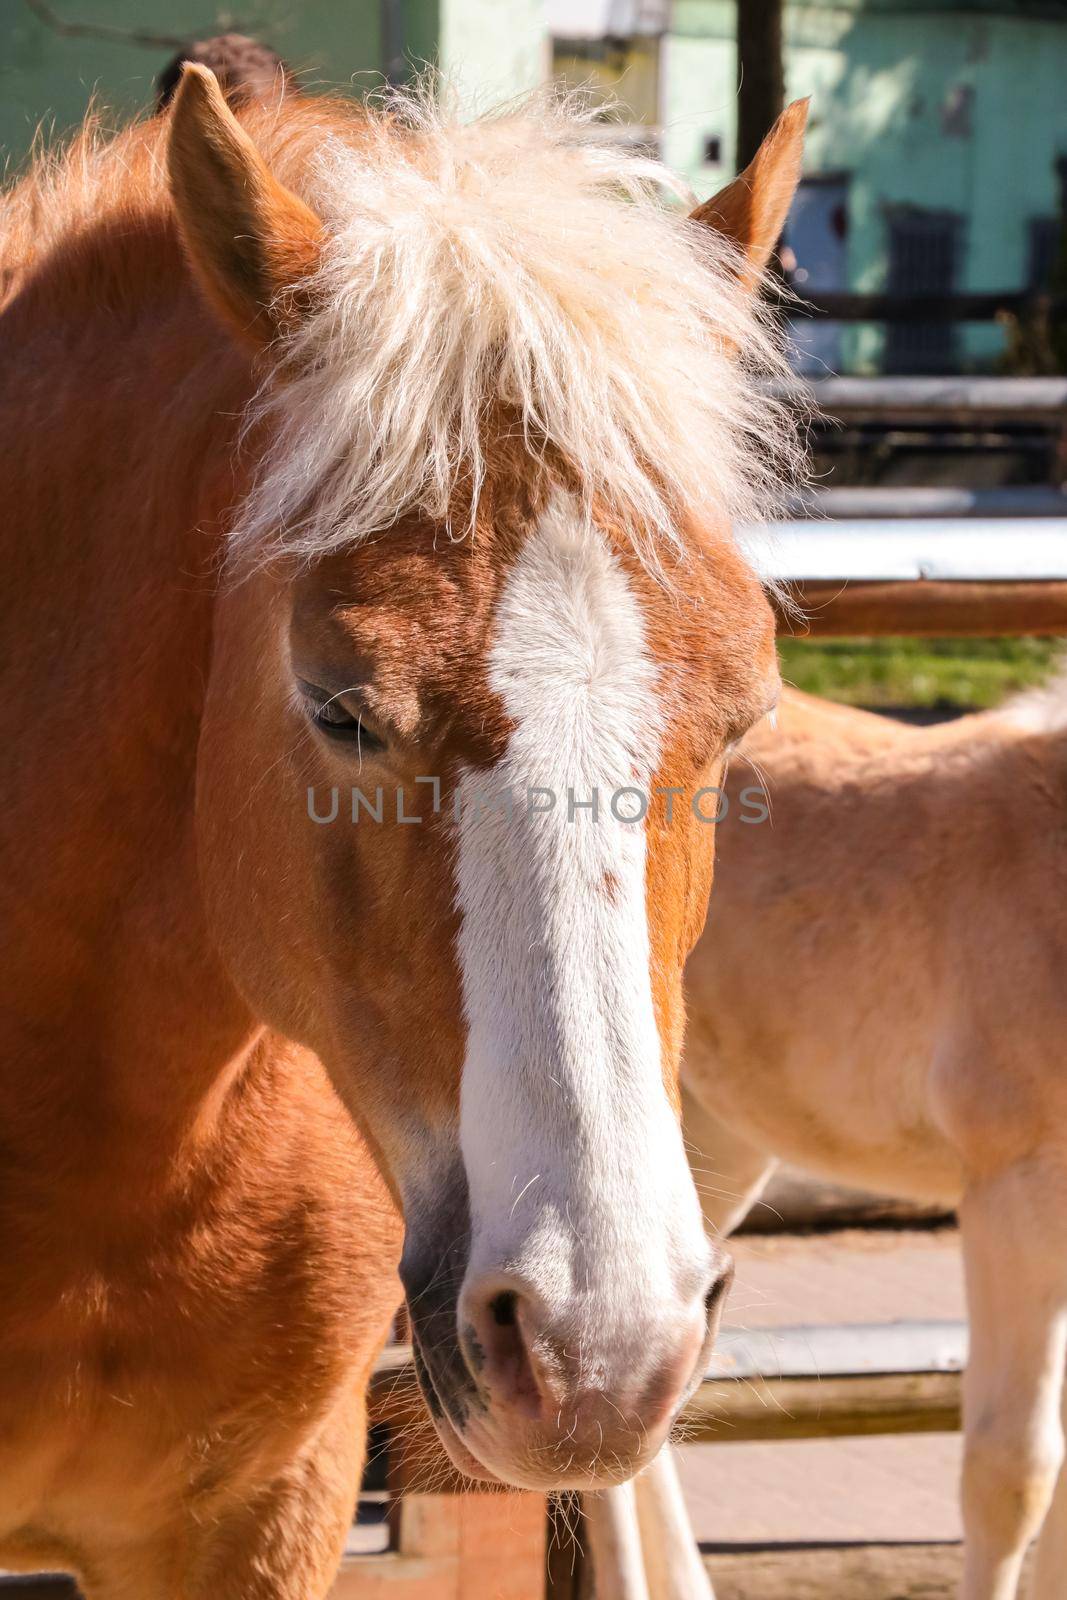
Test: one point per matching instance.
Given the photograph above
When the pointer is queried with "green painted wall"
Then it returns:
(883, 78)
(883, 74)
(46, 77)
(494, 48)
(422, 26)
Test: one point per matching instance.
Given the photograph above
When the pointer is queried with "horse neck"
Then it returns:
(118, 430)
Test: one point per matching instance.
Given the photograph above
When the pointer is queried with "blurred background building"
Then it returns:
(938, 132)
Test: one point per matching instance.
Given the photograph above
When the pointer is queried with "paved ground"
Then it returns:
(890, 1489)
(842, 1572)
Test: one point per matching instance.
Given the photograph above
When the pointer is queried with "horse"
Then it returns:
(879, 997)
(358, 451)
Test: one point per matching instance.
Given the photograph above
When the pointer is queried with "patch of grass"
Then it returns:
(970, 673)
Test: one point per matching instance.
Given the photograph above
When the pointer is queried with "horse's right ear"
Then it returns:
(752, 210)
(251, 242)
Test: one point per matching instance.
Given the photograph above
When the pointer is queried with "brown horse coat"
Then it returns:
(197, 1253)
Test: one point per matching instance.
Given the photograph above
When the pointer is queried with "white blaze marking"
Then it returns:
(575, 1163)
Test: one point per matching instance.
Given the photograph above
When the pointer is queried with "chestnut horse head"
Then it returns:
(486, 639)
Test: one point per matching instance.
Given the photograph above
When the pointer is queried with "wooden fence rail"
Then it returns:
(965, 399)
(982, 305)
(842, 609)
(942, 560)
(787, 1383)
(950, 502)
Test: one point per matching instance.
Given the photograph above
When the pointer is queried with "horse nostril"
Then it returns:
(500, 1346)
(502, 1308)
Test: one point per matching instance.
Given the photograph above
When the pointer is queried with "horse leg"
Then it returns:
(647, 1522)
(611, 1526)
(1049, 1575)
(1016, 1272)
(673, 1563)
(285, 1542)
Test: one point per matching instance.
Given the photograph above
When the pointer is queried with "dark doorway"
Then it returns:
(924, 258)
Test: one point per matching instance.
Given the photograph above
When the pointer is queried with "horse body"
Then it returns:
(249, 405)
(879, 996)
(918, 983)
(196, 1247)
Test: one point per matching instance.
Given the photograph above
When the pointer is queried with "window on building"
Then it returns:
(622, 74)
(815, 257)
(924, 259)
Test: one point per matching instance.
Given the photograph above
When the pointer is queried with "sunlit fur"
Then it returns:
(205, 993)
(880, 998)
(521, 267)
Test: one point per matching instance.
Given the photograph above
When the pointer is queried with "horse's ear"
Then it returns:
(251, 242)
(752, 210)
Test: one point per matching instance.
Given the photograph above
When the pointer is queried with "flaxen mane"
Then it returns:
(522, 265)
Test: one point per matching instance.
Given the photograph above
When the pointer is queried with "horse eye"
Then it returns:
(332, 716)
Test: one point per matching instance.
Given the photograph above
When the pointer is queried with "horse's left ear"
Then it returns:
(251, 242)
(752, 210)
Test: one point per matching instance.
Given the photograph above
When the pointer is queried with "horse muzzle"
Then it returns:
(557, 1397)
